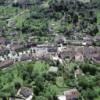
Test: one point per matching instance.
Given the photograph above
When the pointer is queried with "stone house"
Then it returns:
(17, 47)
(88, 52)
(21, 3)
(5, 64)
(60, 39)
(67, 54)
(40, 51)
(52, 50)
(97, 38)
(71, 94)
(2, 40)
(25, 57)
(3, 50)
(25, 93)
(79, 57)
(96, 58)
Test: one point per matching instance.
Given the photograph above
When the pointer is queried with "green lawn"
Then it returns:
(8, 11)
(98, 98)
(98, 16)
(40, 67)
(21, 18)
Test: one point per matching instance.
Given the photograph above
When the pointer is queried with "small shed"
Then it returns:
(53, 69)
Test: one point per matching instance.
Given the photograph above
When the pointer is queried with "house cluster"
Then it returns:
(15, 51)
(26, 93)
(80, 53)
(86, 40)
(18, 52)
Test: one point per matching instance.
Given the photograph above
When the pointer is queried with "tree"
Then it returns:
(89, 94)
(86, 82)
(50, 91)
(17, 85)
(75, 19)
(40, 98)
(2, 2)
(91, 68)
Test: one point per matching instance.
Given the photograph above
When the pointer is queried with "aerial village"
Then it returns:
(46, 61)
(60, 50)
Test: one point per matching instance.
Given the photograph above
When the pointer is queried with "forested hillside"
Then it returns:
(68, 29)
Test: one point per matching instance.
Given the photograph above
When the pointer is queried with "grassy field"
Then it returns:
(8, 11)
(98, 16)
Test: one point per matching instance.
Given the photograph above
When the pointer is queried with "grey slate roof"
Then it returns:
(25, 92)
